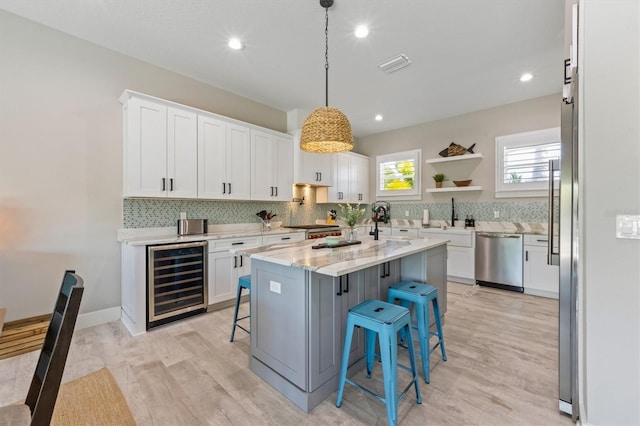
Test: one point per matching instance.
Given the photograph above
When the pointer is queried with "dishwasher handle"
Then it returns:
(484, 234)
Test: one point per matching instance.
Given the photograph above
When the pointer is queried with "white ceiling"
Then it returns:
(467, 54)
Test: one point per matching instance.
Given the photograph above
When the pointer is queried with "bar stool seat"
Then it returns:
(383, 320)
(408, 292)
(244, 282)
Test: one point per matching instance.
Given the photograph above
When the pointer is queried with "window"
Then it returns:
(398, 175)
(522, 162)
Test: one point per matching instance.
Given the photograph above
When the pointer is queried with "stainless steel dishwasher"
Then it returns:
(499, 260)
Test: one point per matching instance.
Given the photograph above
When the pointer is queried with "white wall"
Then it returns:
(61, 159)
(480, 127)
(610, 185)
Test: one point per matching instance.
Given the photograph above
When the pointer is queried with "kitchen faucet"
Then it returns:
(376, 217)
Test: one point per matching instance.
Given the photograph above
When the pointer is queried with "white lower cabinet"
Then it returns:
(283, 238)
(404, 232)
(461, 250)
(225, 267)
(540, 278)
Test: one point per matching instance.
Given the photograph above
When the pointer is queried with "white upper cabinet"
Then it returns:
(350, 180)
(223, 158)
(359, 178)
(272, 166)
(160, 150)
(175, 151)
(309, 168)
(182, 153)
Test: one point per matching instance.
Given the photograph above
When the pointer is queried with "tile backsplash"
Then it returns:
(148, 213)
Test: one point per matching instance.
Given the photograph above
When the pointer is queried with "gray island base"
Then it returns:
(300, 299)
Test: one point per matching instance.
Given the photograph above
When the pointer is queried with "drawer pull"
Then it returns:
(238, 243)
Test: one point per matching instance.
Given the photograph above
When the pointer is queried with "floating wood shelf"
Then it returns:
(455, 189)
(454, 158)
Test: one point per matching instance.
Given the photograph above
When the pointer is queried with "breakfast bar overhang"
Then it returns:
(300, 297)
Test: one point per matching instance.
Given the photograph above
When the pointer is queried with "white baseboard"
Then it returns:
(541, 293)
(103, 316)
(461, 280)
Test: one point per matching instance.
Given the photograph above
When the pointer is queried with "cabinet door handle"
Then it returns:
(347, 289)
(526, 255)
(320, 180)
(229, 187)
(235, 261)
(241, 261)
(224, 188)
(171, 184)
(384, 268)
(164, 186)
(317, 176)
(339, 293)
(271, 191)
(276, 191)
(388, 268)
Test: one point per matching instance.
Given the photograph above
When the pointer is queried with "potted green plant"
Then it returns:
(351, 215)
(439, 178)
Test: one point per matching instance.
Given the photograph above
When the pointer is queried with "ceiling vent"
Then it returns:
(395, 63)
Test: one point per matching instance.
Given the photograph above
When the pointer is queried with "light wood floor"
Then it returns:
(501, 370)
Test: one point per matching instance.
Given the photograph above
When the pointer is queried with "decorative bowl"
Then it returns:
(332, 241)
(462, 182)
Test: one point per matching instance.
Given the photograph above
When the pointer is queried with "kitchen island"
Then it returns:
(300, 297)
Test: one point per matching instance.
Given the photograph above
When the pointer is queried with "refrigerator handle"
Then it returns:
(554, 166)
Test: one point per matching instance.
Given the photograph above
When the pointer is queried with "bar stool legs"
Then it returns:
(383, 320)
(407, 292)
(243, 282)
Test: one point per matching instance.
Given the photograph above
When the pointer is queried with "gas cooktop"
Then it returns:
(320, 226)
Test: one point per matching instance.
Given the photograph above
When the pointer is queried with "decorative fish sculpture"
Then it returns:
(455, 149)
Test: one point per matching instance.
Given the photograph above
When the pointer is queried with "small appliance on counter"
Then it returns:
(192, 226)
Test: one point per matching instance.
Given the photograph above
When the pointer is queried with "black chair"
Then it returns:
(43, 392)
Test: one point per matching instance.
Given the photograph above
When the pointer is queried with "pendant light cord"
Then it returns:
(326, 56)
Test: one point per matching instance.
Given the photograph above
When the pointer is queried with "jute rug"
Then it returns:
(94, 399)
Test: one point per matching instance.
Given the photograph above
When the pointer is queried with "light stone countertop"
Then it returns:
(167, 235)
(338, 261)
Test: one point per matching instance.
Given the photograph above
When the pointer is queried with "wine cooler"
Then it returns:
(176, 281)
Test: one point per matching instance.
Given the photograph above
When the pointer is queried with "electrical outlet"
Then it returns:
(496, 214)
(274, 287)
(406, 213)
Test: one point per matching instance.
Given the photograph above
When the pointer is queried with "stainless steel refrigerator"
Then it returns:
(564, 222)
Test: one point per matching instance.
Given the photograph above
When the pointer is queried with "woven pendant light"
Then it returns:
(326, 129)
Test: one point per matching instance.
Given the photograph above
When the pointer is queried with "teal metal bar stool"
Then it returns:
(243, 282)
(384, 320)
(408, 292)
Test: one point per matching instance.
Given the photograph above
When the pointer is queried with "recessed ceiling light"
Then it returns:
(526, 76)
(378, 117)
(362, 31)
(236, 44)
